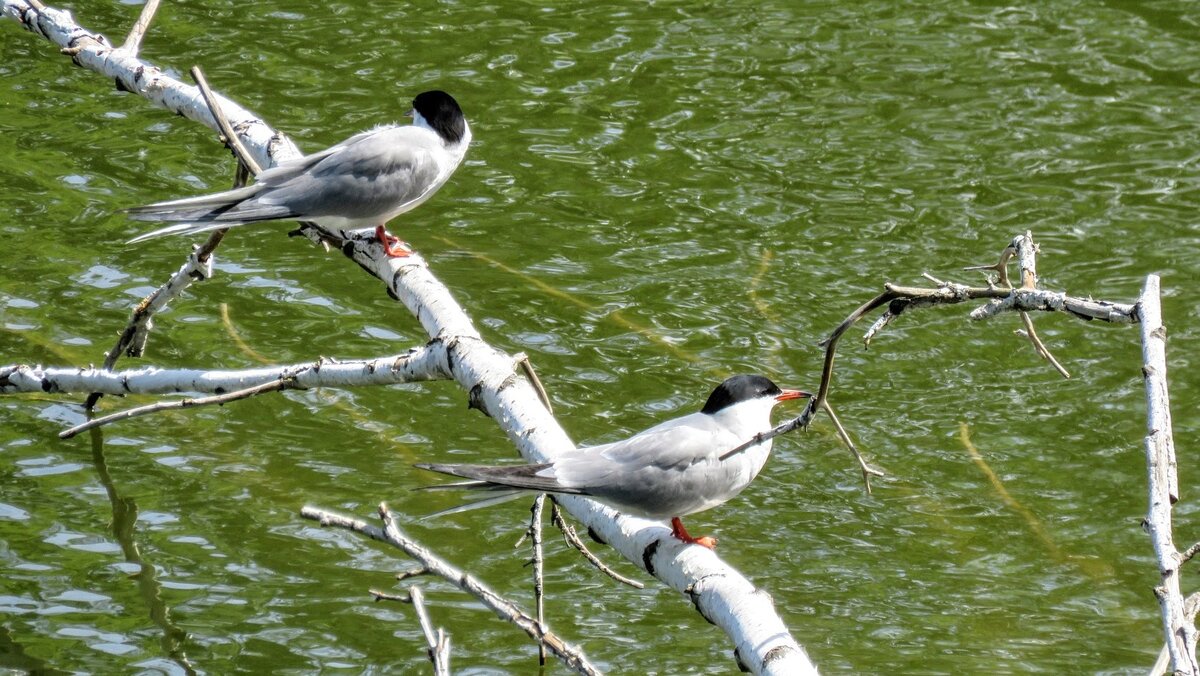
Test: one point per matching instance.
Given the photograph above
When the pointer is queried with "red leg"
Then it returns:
(680, 532)
(392, 246)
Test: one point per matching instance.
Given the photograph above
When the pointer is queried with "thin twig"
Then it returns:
(505, 609)
(1188, 554)
(539, 587)
(247, 166)
(412, 572)
(230, 136)
(572, 538)
(246, 162)
(134, 41)
(867, 470)
(285, 383)
(527, 369)
(386, 596)
(1027, 252)
(437, 641)
(1040, 346)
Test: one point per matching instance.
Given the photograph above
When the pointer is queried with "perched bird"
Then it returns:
(364, 181)
(668, 471)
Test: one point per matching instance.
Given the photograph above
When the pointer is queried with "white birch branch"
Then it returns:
(1179, 630)
(423, 363)
(720, 593)
(94, 52)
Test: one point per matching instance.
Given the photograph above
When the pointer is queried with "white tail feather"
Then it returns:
(504, 496)
(182, 229)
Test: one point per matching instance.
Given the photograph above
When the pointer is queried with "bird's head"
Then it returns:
(438, 111)
(748, 388)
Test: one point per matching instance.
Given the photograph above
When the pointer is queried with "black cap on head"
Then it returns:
(738, 389)
(442, 113)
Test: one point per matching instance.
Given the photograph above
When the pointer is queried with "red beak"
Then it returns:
(792, 394)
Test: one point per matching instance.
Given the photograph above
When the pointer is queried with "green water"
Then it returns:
(665, 194)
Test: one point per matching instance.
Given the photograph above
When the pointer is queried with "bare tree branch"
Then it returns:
(429, 362)
(899, 299)
(572, 538)
(286, 382)
(505, 609)
(1179, 630)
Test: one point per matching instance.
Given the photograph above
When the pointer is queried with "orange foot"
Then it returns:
(680, 532)
(392, 246)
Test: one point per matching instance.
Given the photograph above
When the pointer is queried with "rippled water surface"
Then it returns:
(659, 195)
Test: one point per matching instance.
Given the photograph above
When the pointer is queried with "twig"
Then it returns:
(1040, 346)
(438, 641)
(527, 369)
(228, 134)
(387, 596)
(867, 470)
(132, 339)
(134, 41)
(1190, 606)
(505, 609)
(1189, 553)
(285, 383)
(539, 587)
(1026, 259)
(572, 539)
(412, 572)
(247, 165)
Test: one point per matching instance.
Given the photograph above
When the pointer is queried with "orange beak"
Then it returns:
(792, 394)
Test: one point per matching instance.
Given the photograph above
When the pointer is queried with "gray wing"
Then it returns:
(488, 477)
(382, 171)
(676, 444)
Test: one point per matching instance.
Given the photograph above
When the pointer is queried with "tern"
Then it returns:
(364, 181)
(665, 472)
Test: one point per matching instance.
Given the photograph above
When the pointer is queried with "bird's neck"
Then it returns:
(747, 418)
